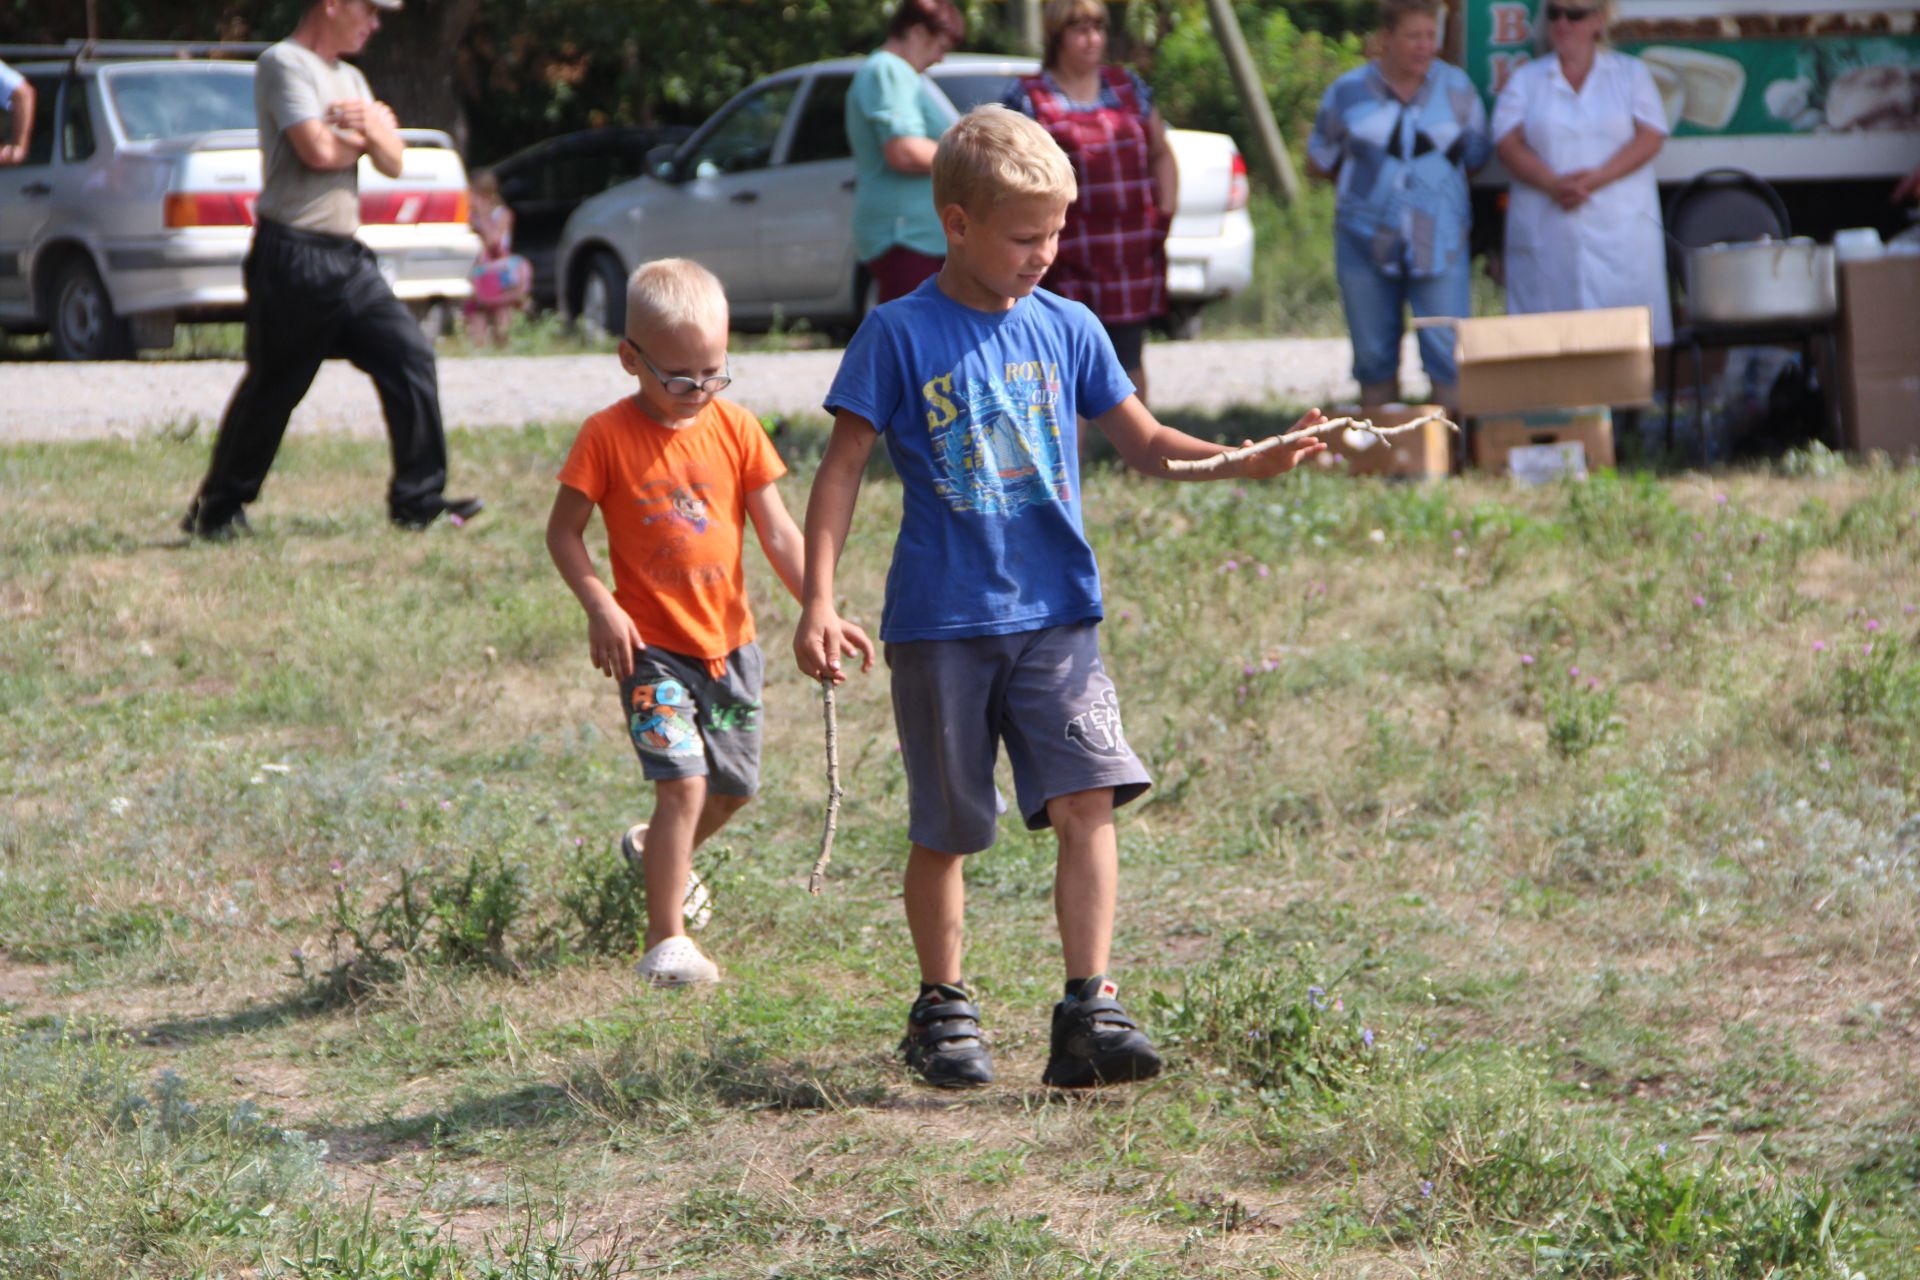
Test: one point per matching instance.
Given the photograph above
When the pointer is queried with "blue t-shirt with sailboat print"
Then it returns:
(980, 413)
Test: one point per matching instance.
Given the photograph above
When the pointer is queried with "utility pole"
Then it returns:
(1253, 100)
(1024, 17)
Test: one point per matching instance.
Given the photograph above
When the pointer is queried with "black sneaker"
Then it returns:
(1095, 1042)
(226, 530)
(461, 509)
(943, 1041)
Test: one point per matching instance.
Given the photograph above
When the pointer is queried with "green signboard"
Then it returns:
(1840, 83)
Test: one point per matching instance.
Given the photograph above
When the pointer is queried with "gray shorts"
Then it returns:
(686, 724)
(1044, 693)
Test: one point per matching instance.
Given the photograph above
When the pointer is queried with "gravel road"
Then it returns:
(44, 400)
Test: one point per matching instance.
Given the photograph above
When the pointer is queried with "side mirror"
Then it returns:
(659, 162)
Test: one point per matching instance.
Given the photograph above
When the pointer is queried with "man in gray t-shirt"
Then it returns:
(313, 290)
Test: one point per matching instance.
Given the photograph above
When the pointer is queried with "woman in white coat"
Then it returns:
(1578, 129)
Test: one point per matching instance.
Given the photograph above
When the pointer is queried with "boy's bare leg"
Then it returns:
(1086, 879)
(684, 815)
(667, 855)
(936, 896)
(715, 814)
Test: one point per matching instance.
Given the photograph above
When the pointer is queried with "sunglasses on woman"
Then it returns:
(1561, 13)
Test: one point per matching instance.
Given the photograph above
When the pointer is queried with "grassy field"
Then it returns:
(1530, 888)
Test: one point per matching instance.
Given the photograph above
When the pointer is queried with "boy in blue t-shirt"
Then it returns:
(977, 381)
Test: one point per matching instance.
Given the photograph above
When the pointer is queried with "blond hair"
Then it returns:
(674, 293)
(1057, 17)
(992, 155)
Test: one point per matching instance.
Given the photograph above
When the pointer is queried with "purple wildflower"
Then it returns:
(1426, 1189)
(1317, 997)
(1573, 673)
(1366, 1036)
(1819, 646)
(1699, 602)
(1594, 684)
(1526, 659)
(1230, 566)
(1873, 624)
(1261, 570)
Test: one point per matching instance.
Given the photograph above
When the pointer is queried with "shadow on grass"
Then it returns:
(180, 1032)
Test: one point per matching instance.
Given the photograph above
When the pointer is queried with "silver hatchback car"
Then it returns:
(134, 208)
(762, 195)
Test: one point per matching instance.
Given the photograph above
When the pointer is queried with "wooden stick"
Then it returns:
(818, 879)
(1219, 461)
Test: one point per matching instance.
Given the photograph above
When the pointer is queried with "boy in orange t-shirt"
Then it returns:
(676, 474)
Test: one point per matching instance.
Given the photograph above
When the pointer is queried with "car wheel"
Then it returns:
(603, 298)
(1183, 322)
(82, 323)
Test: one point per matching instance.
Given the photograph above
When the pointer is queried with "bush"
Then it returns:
(1285, 1031)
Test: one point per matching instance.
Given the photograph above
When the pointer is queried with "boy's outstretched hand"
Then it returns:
(822, 639)
(1286, 456)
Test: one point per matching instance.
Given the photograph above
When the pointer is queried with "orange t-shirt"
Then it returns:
(675, 507)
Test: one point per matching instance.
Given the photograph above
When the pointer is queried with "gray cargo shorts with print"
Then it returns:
(1044, 693)
(686, 723)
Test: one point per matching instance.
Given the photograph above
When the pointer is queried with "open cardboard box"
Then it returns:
(1880, 354)
(1582, 437)
(1555, 360)
(1422, 454)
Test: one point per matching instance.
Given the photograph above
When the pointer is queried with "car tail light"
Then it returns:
(210, 208)
(1238, 189)
(408, 207)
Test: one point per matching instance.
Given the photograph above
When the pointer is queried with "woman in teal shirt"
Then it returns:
(893, 126)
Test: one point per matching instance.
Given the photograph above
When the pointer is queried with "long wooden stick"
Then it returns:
(818, 879)
(1200, 466)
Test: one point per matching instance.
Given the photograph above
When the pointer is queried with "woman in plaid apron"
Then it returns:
(1113, 251)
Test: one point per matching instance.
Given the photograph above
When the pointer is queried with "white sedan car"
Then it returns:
(762, 194)
(134, 208)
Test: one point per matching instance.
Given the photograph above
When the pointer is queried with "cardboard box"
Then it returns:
(1420, 455)
(1880, 354)
(1555, 360)
(1497, 437)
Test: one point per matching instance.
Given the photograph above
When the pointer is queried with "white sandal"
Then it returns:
(697, 908)
(677, 962)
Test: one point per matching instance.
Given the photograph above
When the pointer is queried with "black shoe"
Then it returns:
(1095, 1042)
(226, 530)
(461, 509)
(943, 1041)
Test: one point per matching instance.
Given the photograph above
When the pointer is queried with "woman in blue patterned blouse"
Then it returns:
(1398, 137)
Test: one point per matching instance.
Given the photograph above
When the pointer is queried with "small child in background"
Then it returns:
(502, 279)
(677, 473)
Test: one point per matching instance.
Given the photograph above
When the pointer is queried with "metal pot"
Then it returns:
(1759, 281)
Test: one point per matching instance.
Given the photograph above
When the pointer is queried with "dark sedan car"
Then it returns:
(547, 181)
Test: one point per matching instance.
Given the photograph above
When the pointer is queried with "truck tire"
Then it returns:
(80, 316)
(603, 296)
(1183, 321)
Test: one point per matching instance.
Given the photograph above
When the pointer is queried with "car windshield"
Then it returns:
(177, 102)
(968, 89)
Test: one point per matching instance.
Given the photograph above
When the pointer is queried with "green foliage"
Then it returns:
(1193, 90)
(474, 912)
(463, 920)
(98, 1162)
(1580, 715)
(1657, 1217)
(1285, 1031)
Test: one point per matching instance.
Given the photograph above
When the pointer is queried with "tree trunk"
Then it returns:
(410, 62)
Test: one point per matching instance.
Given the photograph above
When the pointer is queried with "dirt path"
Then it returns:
(44, 400)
